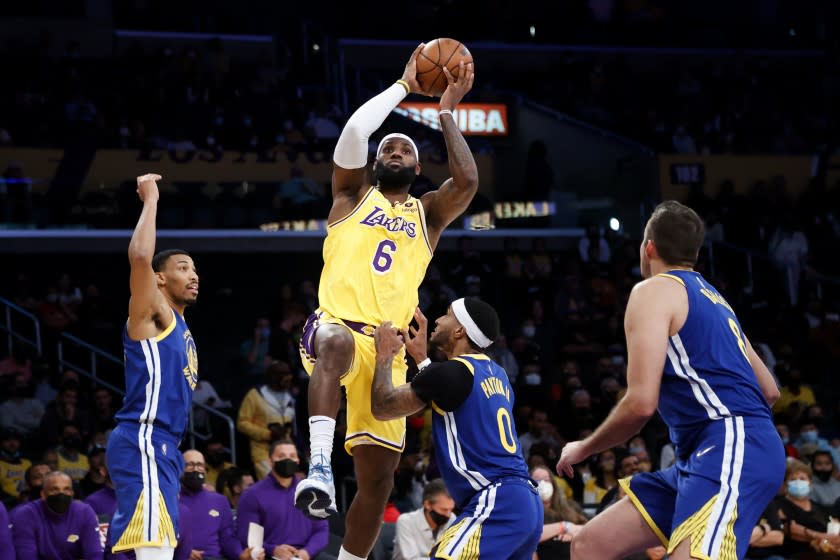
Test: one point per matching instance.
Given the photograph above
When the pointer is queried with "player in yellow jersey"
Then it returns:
(379, 242)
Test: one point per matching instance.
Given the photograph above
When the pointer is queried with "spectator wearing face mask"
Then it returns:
(56, 526)
(213, 535)
(273, 498)
(562, 518)
(417, 531)
(809, 436)
(267, 414)
(806, 521)
(784, 434)
(215, 456)
(825, 490)
(70, 458)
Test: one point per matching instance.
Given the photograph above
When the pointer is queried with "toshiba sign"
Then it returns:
(474, 119)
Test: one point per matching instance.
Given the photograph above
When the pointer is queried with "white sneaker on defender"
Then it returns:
(315, 495)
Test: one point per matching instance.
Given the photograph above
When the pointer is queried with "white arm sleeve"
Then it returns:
(352, 148)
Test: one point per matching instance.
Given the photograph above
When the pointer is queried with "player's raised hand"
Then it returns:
(457, 87)
(572, 454)
(388, 340)
(417, 339)
(147, 187)
(410, 72)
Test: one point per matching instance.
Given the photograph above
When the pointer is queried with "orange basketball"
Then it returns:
(432, 59)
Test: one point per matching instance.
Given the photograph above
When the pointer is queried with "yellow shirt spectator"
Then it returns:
(805, 396)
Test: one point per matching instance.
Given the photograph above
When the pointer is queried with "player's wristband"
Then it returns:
(422, 365)
(444, 112)
(404, 84)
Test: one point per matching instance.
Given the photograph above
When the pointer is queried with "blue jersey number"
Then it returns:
(384, 256)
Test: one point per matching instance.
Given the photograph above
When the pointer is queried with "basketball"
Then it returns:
(432, 59)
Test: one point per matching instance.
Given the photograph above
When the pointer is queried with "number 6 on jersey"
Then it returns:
(384, 256)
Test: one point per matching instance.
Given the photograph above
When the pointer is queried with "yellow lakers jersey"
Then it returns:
(374, 261)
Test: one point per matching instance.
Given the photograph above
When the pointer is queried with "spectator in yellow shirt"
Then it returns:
(70, 459)
(214, 458)
(12, 466)
(794, 391)
(267, 414)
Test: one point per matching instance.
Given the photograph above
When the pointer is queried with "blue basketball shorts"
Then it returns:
(145, 465)
(503, 521)
(717, 494)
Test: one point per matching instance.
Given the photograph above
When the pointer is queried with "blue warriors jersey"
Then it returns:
(707, 374)
(476, 444)
(160, 375)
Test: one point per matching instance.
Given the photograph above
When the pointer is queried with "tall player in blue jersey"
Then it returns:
(688, 356)
(161, 370)
(476, 445)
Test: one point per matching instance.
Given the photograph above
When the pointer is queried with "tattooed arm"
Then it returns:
(389, 402)
(455, 194)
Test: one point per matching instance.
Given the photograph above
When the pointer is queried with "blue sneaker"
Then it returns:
(315, 495)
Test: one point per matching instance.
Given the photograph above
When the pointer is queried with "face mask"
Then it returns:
(215, 459)
(546, 490)
(798, 488)
(72, 442)
(438, 518)
(809, 437)
(823, 475)
(59, 503)
(193, 480)
(10, 456)
(529, 331)
(286, 468)
(634, 450)
(533, 379)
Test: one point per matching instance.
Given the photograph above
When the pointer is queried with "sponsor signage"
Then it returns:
(474, 119)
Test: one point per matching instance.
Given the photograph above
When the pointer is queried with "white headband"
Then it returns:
(401, 137)
(475, 334)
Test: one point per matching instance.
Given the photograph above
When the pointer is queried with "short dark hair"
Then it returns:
(484, 317)
(277, 442)
(229, 478)
(678, 233)
(159, 260)
(823, 453)
(433, 489)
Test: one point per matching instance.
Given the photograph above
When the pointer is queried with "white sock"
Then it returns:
(321, 432)
(154, 553)
(344, 555)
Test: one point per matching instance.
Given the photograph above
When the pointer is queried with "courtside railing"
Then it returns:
(99, 366)
(16, 321)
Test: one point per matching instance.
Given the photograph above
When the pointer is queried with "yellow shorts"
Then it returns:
(362, 427)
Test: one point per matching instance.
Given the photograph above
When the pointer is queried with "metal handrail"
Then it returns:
(10, 331)
(95, 353)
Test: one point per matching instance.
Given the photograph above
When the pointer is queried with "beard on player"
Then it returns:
(392, 178)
